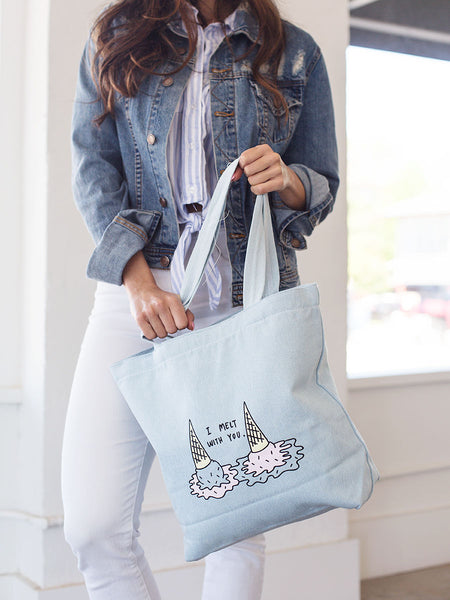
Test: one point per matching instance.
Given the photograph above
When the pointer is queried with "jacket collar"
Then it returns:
(244, 22)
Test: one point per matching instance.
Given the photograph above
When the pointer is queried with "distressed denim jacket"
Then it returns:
(120, 177)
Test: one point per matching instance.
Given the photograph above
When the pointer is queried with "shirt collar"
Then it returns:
(228, 22)
(241, 20)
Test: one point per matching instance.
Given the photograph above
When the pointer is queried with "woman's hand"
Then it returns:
(156, 311)
(266, 172)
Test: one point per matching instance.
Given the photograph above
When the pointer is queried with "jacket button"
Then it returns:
(163, 202)
(165, 261)
(167, 81)
(151, 139)
(296, 243)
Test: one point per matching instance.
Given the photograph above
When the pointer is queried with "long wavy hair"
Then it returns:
(132, 41)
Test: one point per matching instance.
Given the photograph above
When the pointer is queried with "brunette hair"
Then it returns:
(131, 42)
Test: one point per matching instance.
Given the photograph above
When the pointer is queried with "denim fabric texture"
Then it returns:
(120, 179)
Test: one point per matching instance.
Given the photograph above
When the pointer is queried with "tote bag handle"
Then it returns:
(261, 273)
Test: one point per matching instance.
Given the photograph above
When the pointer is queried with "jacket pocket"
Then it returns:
(272, 121)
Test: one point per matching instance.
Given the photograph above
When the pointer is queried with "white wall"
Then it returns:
(406, 523)
(47, 310)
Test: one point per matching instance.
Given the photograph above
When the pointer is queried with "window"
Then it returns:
(398, 130)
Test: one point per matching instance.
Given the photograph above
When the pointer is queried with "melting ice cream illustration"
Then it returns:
(210, 480)
(266, 459)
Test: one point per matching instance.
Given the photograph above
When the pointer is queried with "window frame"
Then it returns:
(410, 33)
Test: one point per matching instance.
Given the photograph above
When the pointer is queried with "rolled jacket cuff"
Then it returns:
(129, 232)
(293, 225)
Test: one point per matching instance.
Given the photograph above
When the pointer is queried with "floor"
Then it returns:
(426, 584)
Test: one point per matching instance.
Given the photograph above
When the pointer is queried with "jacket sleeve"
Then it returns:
(312, 155)
(99, 185)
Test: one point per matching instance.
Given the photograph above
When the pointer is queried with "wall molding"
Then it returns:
(41, 522)
(414, 472)
(392, 544)
(397, 513)
(55, 521)
(286, 572)
(14, 586)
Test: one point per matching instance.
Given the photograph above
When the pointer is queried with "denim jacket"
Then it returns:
(120, 177)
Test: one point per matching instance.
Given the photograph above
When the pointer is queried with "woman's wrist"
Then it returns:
(137, 274)
(293, 195)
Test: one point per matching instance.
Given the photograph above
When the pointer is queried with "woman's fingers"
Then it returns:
(258, 160)
(145, 327)
(261, 163)
(191, 318)
(165, 315)
(168, 320)
(179, 314)
(254, 154)
(157, 325)
(237, 174)
(156, 311)
(265, 170)
(271, 172)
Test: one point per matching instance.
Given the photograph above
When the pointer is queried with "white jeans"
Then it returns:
(106, 460)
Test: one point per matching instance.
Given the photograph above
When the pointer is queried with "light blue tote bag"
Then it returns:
(244, 414)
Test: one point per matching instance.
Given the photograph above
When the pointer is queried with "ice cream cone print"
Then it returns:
(199, 454)
(256, 439)
(266, 460)
(211, 479)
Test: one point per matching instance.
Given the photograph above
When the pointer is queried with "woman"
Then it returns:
(168, 94)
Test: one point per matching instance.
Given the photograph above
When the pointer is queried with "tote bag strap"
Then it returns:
(261, 273)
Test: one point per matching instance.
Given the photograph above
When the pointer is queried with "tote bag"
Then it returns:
(244, 414)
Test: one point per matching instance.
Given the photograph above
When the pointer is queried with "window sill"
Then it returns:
(401, 380)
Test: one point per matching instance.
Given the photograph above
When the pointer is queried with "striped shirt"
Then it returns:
(190, 156)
